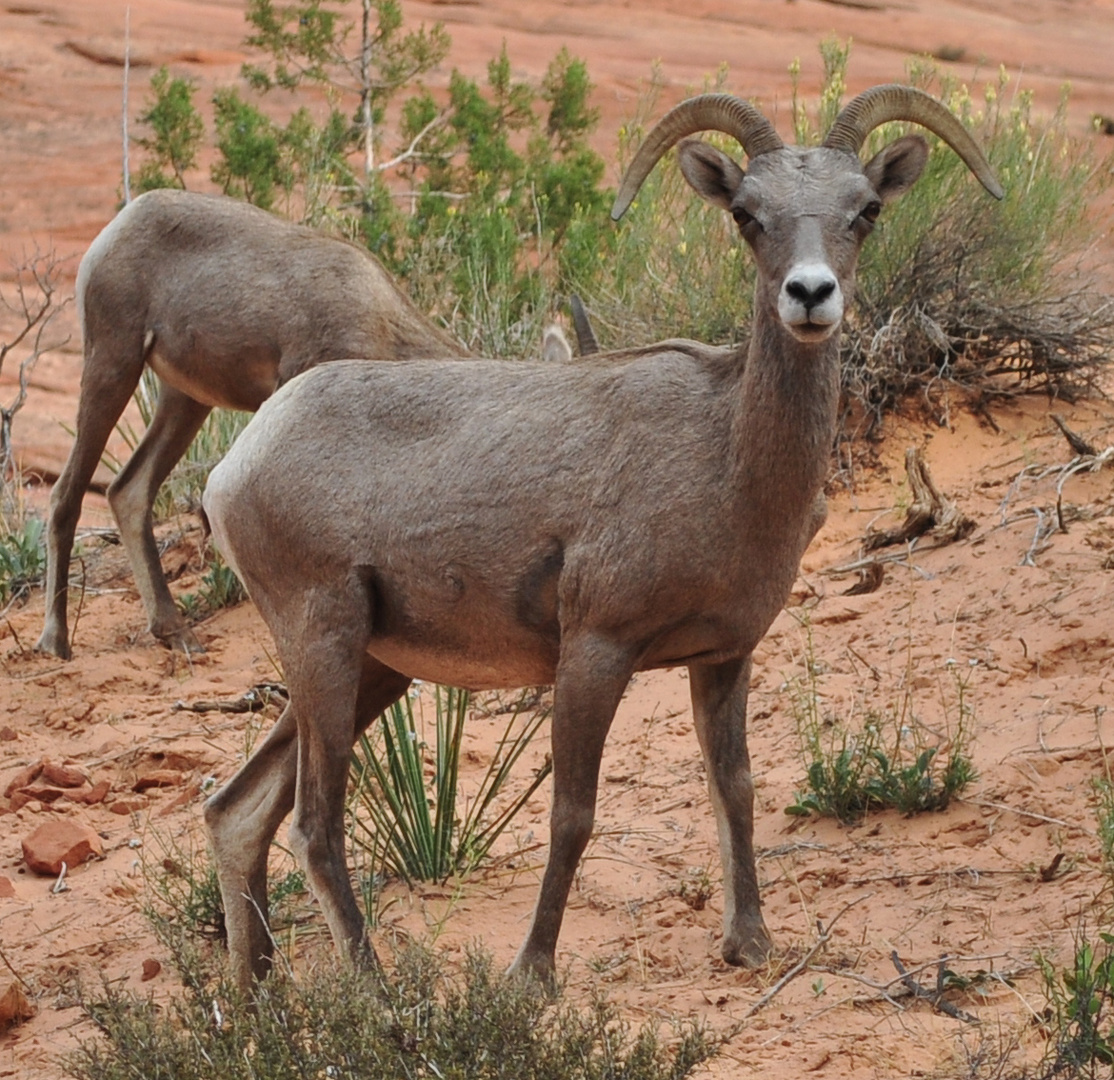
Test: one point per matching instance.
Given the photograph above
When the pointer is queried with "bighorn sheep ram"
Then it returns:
(224, 302)
(492, 525)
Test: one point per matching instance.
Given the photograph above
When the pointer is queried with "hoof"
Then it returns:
(750, 950)
(539, 972)
(180, 639)
(54, 644)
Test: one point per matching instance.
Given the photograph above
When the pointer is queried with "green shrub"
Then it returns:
(177, 131)
(219, 588)
(413, 828)
(418, 1021)
(880, 756)
(22, 558)
(1080, 1013)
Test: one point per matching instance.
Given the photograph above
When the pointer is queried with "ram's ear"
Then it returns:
(710, 173)
(897, 167)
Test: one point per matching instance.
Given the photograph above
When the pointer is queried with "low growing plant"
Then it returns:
(22, 559)
(404, 809)
(418, 1020)
(185, 894)
(1080, 1012)
(880, 756)
(219, 588)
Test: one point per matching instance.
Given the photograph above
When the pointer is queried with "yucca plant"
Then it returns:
(412, 827)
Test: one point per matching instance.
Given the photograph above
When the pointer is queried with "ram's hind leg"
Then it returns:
(177, 419)
(337, 690)
(245, 814)
(719, 700)
(242, 818)
(108, 380)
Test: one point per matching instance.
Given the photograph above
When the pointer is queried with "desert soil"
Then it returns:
(1024, 618)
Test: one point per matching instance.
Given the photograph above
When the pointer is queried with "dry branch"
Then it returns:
(254, 700)
(930, 512)
(934, 997)
(35, 307)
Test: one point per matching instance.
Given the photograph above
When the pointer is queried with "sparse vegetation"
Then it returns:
(219, 588)
(1080, 1013)
(880, 756)
(420, 1020)
(22, 559)
(413, 828)
(186, 901)
(30, 311)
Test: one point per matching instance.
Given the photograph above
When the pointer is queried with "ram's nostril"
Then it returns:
(810, 293)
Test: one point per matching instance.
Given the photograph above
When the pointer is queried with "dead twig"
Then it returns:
(824, 936)
(1078, 444)
(934, 997)
(254, 700)
(930, 511)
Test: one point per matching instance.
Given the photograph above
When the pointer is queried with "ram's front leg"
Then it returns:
(719, 702)
(591, 677)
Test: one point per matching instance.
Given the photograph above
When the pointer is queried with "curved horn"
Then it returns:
(881, 104)
(586, 340)
(708, 112)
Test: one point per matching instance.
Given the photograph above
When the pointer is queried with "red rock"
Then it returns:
(66, 776)
(19, 801)
(128, 806)
(151, 968)
(181, 799)
(7, 889)
(95, 794)
(43, 792)
(160, 778)
(14, 1007)
(8, 734)
(23, 778)
(62, 841)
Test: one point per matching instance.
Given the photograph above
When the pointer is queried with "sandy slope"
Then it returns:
(1036, 641)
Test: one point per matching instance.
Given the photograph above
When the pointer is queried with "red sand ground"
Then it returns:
(1036, 641)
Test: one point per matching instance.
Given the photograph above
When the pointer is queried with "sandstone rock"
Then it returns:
(14, 1007)
(57, 842)
(7, 889)
(43, 792)
(96, 794)
(22, 778)
(151, 968)
(8, 734)
(66, 776)
(181, 799)
(160, 778)
(129, 806)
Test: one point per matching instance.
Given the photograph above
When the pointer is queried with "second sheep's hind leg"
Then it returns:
(177, 419)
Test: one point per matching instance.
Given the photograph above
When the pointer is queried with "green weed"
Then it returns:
(219, 588)
(420, 1020)
(22, 559)
(1080, 1012)
(414, 828)
(879, 756)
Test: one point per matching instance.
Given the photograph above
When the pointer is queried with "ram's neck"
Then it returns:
(784, 426)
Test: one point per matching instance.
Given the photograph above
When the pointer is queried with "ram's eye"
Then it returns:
(870, 212)
(742, 218)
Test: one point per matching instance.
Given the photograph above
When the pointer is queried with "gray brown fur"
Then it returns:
(487, 525)
(225, 303)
